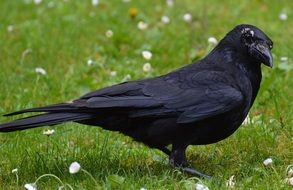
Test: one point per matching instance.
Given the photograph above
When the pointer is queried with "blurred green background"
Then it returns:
(80, 47)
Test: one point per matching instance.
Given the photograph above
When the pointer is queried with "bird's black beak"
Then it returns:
(263, 53)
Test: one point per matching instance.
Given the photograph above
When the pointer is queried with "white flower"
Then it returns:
(146, 67)
(15, 170)
(40, 70)
(283, 16)
(10, 28)
(290, 172)
(109, 33)
(49, 132)
(290, 181)
(165, 19)
(247, 120)
(268, 161)
(200, 186)
(142, 25)
(147, 55)
(90, 62)
(187, 17)
(170, 3)
(113, 73)
(284, 59)
(30, 186)
(37, 1)
(212, 40)
(74, 167)
(142, 188)
(231, 182)
(95, 2)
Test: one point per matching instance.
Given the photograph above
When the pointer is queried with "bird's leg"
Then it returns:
(177, 159)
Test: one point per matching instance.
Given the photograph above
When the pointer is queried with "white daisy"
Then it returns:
(10, 28)
(200, 186)
(290, 181)
(113, 73)
(37, 1)
(212, 40)
(74, 167)
(231, 182)
(187, 17)
(170, 3)
(109, 33)
(165, 19)
(290, 172)
(268, 162)
(95, 2)
(146, 67)
(90, 62)
(40, 70)
(30, 186)
(49, 132)
(142, 25)
(284, 59)
(147, 55)
(283, 16)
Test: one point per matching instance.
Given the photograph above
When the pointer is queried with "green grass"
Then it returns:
(62, 38)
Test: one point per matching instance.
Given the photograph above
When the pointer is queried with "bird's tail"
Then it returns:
(56, 114)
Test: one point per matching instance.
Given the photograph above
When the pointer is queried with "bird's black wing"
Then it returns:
(194, 96)
(188, 96)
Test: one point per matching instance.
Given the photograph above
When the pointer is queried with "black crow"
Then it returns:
(201, 103)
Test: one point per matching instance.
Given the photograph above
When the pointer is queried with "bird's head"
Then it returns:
(254, 42)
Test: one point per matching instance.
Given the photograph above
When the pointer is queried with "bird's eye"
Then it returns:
(271, 46)
(247, 35)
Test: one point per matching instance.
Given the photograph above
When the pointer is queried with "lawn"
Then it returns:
(80, 47)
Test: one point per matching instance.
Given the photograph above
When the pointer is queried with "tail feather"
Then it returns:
(55, 108)
(46, 119)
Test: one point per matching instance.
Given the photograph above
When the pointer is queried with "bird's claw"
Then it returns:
(194, 172)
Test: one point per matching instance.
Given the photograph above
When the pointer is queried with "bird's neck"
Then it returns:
(229, 57)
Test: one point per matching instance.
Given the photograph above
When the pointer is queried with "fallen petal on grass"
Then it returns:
(49, 132)
(30, 186)
(290, 181)
(41, 71)
(268, 162)
(200, 186)
(15, 170)
(74, 167)
(231, 182)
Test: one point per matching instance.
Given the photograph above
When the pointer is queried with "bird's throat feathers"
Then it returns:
(228, 55)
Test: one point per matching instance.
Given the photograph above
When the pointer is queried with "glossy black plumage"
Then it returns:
(201, 103)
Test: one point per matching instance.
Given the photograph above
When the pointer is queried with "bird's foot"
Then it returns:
(194, 172)
(186, 168)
